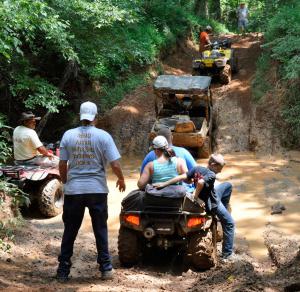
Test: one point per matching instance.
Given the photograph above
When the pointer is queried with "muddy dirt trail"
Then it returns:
(267, 244)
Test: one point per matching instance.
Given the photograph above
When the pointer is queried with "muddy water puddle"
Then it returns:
(259, 182)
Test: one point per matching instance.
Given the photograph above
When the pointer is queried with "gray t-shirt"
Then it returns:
(242, 13)
(87, 150)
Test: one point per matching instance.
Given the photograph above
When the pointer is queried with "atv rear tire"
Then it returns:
(225, 74)
(51, 197)
(205, 150)
(129, 247)
(202, 248)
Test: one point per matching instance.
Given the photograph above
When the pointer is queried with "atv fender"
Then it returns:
(40, 173)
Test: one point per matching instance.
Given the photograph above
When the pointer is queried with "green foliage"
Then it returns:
(106, 39)
(291, 114)
(5, 139)
(9, 224)
(281, 53)
(261, 84)
(39, 93)
(19, 198)
(111, 96)
(27, 28)
(7, 232)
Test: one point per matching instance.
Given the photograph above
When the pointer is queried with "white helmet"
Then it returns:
(208, 27)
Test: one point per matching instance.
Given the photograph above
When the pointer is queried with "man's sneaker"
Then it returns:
(63, 271)
(107, 275)
(231, 258)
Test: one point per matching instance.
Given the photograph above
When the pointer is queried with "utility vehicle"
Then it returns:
(184, 105)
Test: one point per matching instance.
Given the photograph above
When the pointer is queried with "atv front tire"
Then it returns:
(51, 197)
(129, 247)
(225, 74)
(202, 248)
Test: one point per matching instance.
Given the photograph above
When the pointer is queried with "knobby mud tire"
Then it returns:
(202, 249)
(225, 74)
(129, 247)
(50, 199)
(205, 150)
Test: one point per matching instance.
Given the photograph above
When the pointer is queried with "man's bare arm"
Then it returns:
(117, 170)
(44, 151)
(63, 170)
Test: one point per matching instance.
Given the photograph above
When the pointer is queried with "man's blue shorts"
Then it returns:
(243, 23)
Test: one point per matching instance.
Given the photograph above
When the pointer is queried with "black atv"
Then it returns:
(167, 222)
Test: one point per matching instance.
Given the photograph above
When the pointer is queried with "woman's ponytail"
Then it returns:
(169, 153)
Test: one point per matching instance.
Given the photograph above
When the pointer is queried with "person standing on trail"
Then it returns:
(84, 153)
(216, 198)
(242, 15)
(28, 149)
(204, 41)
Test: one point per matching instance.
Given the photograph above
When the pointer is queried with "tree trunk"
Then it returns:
(201, 8)
(71, 69)
(217, 12)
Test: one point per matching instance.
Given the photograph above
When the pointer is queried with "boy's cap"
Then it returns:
(218, 158)
(88, 111)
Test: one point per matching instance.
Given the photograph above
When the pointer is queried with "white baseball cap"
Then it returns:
(88, 111)
(160, 142)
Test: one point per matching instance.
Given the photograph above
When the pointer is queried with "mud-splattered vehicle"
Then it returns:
(167, 222)
(220, 61)
(184, 105)
(42, 184)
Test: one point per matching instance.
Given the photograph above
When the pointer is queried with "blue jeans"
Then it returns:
(73, 212)
(223, 192)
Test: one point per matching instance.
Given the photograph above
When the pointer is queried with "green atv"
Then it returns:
(218, 61)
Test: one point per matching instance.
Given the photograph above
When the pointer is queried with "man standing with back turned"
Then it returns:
(84, 153)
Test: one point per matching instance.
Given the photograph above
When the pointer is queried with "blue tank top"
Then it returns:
(164, 171)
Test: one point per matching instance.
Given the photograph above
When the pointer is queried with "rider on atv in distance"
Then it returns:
(28, 149)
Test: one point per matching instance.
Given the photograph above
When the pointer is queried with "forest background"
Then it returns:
(56, 53)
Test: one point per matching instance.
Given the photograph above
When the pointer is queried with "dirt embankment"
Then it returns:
(259, 182)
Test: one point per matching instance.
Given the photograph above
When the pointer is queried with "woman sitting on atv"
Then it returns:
(165, 167)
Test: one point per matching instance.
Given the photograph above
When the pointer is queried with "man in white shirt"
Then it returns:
(28, 149)
(242, 14)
